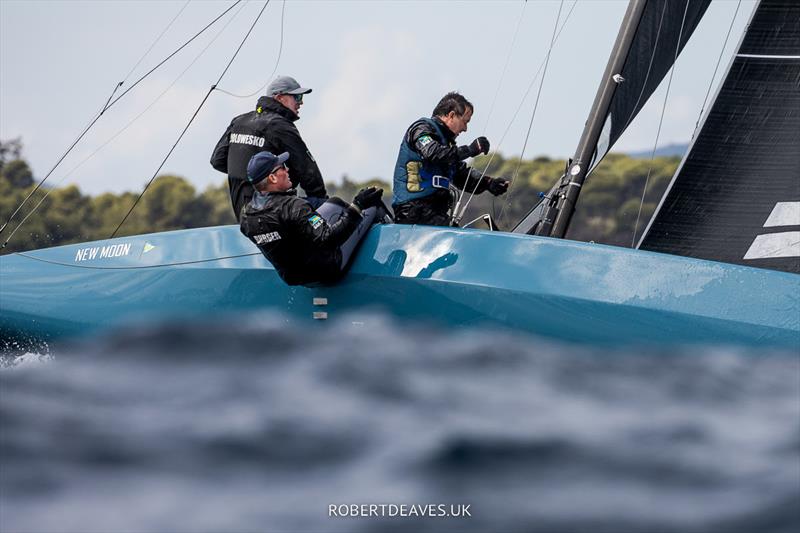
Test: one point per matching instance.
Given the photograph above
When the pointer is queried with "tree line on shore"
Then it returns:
(606, 213)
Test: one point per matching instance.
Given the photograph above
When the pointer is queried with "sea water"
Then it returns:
(250, 425)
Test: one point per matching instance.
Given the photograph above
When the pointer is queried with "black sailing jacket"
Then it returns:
(270, 127)
(298, 242)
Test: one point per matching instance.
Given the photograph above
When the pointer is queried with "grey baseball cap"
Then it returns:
(285, 85)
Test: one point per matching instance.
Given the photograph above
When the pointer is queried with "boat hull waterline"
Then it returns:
(441, 276)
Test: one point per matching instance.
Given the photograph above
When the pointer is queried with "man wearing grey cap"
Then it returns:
(270, 127)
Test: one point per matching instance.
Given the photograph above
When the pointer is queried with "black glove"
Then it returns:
(479, 146)
(498, 186)
(369, 197)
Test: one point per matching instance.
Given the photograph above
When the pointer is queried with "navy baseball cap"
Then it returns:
(262, 164)
(285, 85)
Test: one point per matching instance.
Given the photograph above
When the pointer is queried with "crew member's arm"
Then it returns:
(301, 163)
(311, 226)
(427, 143)
(466, 178)
(219, 159)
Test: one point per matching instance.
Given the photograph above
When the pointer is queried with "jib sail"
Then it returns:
(736, 195)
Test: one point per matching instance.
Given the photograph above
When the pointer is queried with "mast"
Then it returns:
(556, 218)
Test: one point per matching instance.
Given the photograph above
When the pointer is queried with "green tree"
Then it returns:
(216, 206)
(606, 211)
(170, 203)
(17, 173)
(10, 151)
(347, 189)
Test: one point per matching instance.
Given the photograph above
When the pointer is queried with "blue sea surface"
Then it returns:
(250, 425)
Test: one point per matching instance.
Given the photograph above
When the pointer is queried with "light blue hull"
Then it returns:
(556, 288)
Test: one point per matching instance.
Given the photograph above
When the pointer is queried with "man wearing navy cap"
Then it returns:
(269, 127)
(303, 244)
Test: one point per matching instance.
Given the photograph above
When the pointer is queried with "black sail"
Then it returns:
(663, 32)
(736, 196)
(651, 36)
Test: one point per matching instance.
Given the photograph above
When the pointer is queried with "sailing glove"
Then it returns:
(498, 186)
(479, 146)
(368, 197)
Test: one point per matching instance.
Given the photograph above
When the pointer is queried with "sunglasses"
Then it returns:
(281, 166)
(297, 97)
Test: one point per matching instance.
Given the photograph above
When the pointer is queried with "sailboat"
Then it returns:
(719, 262)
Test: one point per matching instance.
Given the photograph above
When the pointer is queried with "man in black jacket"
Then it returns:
(270, 127)
(304, 245)
(430, 163)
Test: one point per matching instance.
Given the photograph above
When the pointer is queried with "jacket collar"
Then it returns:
(267, 103)
(260, 199)
(449, 136)
(290, 192)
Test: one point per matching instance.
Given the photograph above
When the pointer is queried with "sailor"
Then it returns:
(270, 127)
(306, 246)
(430, 162)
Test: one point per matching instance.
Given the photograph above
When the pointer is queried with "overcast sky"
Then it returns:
(375, 66)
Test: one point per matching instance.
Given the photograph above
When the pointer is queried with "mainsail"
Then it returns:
(663, 32)
(652, 35)
(736, 195)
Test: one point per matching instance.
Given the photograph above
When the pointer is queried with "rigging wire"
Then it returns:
(535, 107)
(106, 107)
(716, 68)
(505, 67)
(702, 107)
(635, 108)
(456, 217)
(274, 70)
(658, 132)
(202, 103)
(128, 75)
(128, 125)
(514, 116)
(184, 45)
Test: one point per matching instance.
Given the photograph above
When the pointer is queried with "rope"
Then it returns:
(108, 105)
(658, 132)
(205, 98)
(128, 125)
(274, 70)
